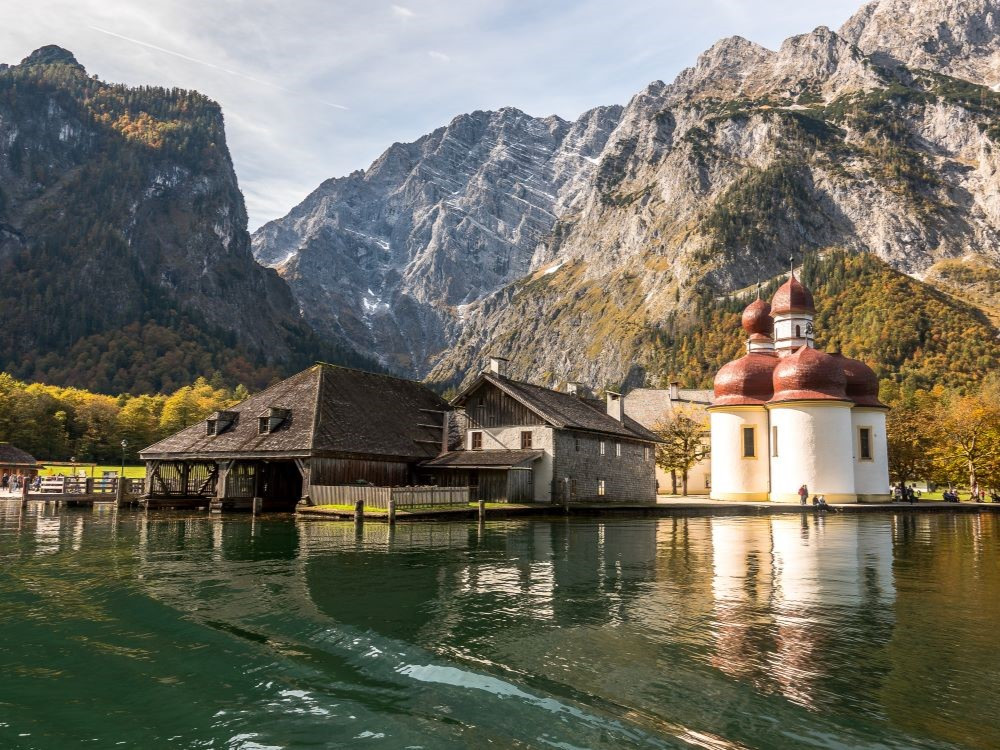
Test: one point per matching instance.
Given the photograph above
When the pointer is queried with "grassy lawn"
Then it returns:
(131, 472)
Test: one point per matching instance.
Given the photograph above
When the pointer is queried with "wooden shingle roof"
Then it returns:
(11, 455)
(484, 459)
(332, 411)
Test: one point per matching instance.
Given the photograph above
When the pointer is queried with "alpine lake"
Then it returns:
(191, 630)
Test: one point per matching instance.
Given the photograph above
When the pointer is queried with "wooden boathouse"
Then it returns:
(326, 426)
(15, 461)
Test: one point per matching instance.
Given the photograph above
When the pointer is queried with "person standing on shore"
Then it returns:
(803, 494)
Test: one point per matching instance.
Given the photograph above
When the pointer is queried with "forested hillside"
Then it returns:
(124, 257)
(56, 423)
(914, 336)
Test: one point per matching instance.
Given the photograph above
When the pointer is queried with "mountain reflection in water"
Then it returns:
(190, 630)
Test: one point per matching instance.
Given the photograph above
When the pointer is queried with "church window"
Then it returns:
(798, 332)
(603, 448)
(749, 442)
(618, 450)
(774, 440)
(576, 444)
(865, 443)
(600, 488)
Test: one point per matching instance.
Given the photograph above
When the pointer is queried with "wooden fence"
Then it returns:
(378, 497)
(89, 486)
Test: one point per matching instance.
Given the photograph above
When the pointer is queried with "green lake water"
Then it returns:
(194, 631)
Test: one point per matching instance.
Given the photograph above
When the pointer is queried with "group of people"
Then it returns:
(15, 482)
(818, 501)
(903, 493)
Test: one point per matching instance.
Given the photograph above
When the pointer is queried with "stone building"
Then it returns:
(524, 442)
(786, 414)
(651, 407)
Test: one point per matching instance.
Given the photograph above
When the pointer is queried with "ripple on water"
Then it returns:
(186, 630)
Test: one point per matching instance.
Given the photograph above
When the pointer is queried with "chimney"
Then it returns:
(614, 405)
(675, 391)
(498, 366)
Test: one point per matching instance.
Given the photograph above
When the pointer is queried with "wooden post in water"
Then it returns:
(482, 510)
(120, 491)
(359, 512)
(392, 511)
(24, 491)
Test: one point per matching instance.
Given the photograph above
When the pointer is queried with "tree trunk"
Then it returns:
(673, 481)
(684, 483)
(972, 477)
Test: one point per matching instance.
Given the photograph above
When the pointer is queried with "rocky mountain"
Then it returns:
(961, 39)
(124, 256)
(390, 258)
(883, 138)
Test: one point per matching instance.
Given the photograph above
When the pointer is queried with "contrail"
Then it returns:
(212, 65)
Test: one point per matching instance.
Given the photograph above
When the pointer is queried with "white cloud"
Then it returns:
(279, 69)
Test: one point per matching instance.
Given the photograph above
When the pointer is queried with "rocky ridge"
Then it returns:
(124, 252)
(837, 140)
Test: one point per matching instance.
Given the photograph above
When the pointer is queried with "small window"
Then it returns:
(645, 453)
(749, 443)
(210, 427)
(525, 439)
(603, 448)
(798, 332)
(774, 440)
(865, 441)
(477, 441)
(618, 450)
(263, 425)
(600, 488)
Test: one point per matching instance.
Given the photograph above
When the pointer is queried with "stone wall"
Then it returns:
(630, 477)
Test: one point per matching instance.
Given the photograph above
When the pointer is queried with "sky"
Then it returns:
(314, 89)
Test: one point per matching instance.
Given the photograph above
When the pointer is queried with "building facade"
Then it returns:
(786, 414)
(526, 443)
(652, 407)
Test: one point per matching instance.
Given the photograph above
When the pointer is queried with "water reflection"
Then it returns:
(785, 631)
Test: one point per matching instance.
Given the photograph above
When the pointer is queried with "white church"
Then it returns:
(786, 414)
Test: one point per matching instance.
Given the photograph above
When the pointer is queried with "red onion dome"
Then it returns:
(809, 375)
(745, 381)
(792, 297)
(862, 382)
(757, 318)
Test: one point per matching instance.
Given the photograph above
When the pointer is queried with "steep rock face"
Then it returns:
(957, 37)
(714, 181)
(124, 254)
(391, 257)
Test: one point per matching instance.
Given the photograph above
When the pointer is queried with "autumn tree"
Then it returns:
(684, 433)
(966, 431)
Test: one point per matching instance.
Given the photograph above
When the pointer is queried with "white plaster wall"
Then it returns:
(735, 477)
(497, 438)
(871, 477)
(815, 447)
(784, 332)
(698, 479)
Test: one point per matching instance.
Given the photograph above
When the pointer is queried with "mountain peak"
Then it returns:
(51, 54)
(958, 37)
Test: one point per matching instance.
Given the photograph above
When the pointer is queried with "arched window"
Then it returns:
(798, 332)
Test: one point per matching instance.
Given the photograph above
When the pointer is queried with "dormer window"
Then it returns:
(272, 419)
(220, 421)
